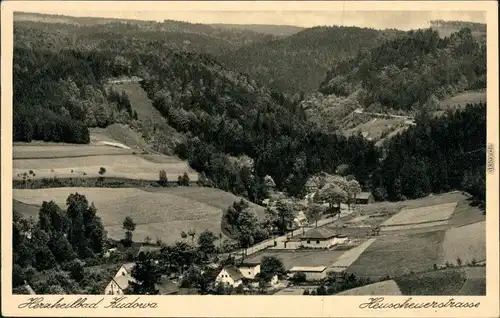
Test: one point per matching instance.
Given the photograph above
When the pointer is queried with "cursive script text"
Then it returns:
(378, 303)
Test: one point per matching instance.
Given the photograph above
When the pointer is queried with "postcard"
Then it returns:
(250, 159)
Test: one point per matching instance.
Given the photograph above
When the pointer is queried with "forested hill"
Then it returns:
(225, 117)
(59, 91)
(278, 30)
(299, 62)
(404, 73)
(200, 38)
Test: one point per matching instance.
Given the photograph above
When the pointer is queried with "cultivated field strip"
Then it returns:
(396, 255)
(50, 151)
(350, 256)
(118, 165)
(385, 288)
(158, 215)
(434, 213)
(466, 242)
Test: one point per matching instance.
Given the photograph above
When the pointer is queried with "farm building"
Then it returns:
(249, 270)
(365, 198)
(230, 275)
(311, 272)
(322, 237)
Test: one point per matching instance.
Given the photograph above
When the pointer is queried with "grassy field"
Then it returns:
(396, 255)
(385, 288)
(118, 133)
(84, 161)
(157, 214)
(39, 150)
(440, 282)
(300, 258)
(350, 256)
(475, 285)
(467, 242)
(431, 213)
(209, 196)
(463, 99)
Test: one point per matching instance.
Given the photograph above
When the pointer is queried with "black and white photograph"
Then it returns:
(304, 153)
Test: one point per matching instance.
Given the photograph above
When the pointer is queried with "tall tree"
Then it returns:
(146, 275)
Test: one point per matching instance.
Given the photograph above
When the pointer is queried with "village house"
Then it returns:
(311, 272)
(322, 237)
(249, 269)
(230, 275)
(364, 198)
(123, 276)
(120, 281)
(125, 269)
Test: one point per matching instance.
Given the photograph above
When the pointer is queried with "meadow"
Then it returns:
(85, 161)
(386, 288)
(439, 282)
(396, 255)
(158, 215)
(466, 242)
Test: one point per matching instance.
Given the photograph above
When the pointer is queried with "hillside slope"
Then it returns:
(411, 70)
(299, 62)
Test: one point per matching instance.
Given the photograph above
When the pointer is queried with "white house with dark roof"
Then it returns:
(322, 237)
(123, 277)
(230, 275)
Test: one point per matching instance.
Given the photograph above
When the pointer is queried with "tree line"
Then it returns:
(405, 72)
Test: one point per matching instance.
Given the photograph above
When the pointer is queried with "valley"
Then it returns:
(340, 160)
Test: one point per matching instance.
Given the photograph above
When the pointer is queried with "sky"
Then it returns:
(403, 20)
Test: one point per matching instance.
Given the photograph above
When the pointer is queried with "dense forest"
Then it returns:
(298, 63)
(405, 72)
(226, 116)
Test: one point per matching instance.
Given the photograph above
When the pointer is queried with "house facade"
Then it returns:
(230, 275)
(249, 270)
(322, 237)
(311, 272)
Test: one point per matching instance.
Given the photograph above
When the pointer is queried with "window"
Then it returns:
(317, 242)
(249, 273)
(308, 242)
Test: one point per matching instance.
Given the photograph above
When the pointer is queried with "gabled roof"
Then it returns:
(363, 195)
(233, 272)
(128, 266)
(319, 233)
(249, 264)
(122, 281)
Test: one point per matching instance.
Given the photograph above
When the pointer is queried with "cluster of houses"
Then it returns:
(242, 273)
